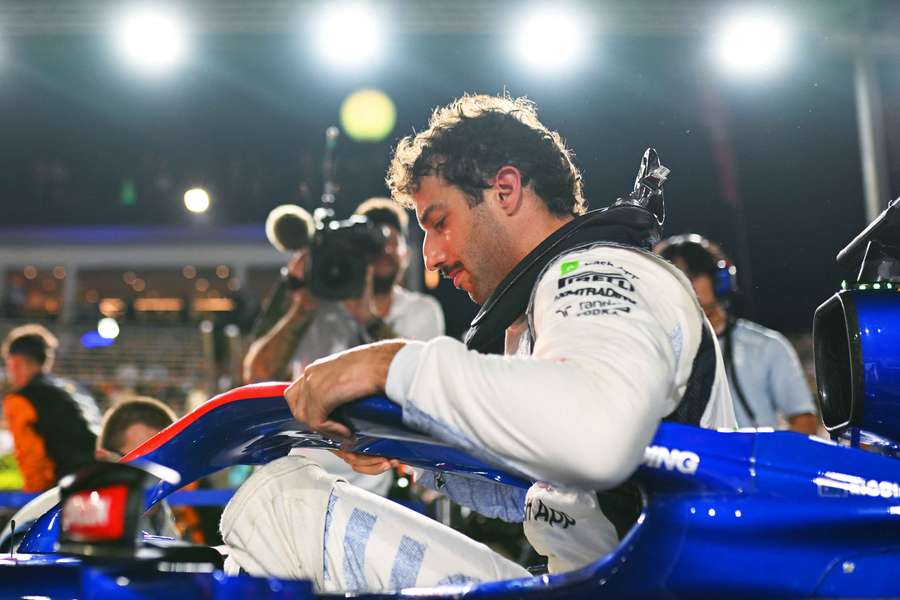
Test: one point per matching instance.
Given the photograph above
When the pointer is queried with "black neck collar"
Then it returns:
(626, 225)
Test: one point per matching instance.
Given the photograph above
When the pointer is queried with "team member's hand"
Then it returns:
(338, 379)
(303, 299)
(367, 464)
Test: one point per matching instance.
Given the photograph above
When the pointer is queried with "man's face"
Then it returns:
(135, 435)
(466, 243)
(389, 265)
(20, 370)
(703, 287)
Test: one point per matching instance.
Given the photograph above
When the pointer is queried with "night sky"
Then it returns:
(246, 119)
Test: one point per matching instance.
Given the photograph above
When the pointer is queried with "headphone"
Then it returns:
(725, 280)
(724, 273)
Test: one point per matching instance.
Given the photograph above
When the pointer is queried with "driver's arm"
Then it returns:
(581, 409)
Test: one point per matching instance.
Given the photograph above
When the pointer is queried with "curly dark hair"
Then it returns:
(468, 140)
(700, 255)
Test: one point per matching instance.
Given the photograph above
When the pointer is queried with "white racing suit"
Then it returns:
(602, 356)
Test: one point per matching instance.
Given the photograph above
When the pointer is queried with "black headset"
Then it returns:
(725, 274)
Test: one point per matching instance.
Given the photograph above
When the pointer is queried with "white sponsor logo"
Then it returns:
(842, 484)
(595, 277)
(85, 510)
(671, 459)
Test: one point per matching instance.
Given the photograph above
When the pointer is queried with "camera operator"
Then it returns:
(313, 328)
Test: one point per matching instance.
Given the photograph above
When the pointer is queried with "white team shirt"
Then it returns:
(615, 331)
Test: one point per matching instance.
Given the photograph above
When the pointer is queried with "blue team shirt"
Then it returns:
(770, 376)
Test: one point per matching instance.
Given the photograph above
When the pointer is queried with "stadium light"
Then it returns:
(108, 329)
(550, 38)
(152, 39)
(368, 115)
(752, 43)
(196, 200)
(348, 34)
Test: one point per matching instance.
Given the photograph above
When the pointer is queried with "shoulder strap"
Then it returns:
(700, 382)
(733, 376)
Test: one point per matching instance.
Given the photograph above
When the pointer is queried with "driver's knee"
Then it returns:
(271, 522)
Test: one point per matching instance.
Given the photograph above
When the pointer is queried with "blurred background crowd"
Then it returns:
(142, 147)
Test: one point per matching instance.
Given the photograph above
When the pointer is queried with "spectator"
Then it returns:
(52, 422)
(125, 427)
(764, 373)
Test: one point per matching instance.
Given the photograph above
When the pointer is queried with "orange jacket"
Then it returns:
(51, 434)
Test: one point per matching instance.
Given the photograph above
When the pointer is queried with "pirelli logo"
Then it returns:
(597, 277)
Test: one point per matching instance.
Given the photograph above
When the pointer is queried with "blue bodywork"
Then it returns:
(737, 514)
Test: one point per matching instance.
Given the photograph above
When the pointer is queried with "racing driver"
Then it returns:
(584, 343)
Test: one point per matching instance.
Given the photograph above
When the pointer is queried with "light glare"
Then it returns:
(151, 39)
(752, 44)
(108, 329)
(368, 115)
(349, 34)
(196, 200)
(550, 39)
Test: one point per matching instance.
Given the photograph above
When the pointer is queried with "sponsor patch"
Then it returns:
(535, 510)
(568, 266)
(606, 263)
(617, 279)
(605, 290)
(601, 290)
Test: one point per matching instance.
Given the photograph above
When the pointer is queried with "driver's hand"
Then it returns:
(367, 464)
(338, 379)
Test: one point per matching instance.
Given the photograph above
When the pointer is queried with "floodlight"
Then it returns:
(108, 328)
(550, 38)
(349, 34)
(196, 200)
(752, 43)
(152, 39)
(368, 115)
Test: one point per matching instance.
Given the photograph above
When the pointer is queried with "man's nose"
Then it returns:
(433, 253)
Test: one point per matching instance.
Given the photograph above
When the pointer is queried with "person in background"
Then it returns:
(125, 427)
(312, 328)
(52, 422)
(764, 373)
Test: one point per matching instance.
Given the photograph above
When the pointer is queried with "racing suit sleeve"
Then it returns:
(581, 409)
(38, 470)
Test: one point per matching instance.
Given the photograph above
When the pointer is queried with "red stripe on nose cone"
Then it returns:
(255, 390)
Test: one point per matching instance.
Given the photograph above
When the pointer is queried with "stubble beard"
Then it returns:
(488, 263)
(383, 285)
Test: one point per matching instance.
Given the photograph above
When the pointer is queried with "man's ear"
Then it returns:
(508, 186)
(103, 454)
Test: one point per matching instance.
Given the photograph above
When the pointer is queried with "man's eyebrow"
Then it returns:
(426, 214)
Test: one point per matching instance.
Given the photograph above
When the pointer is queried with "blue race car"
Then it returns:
(737, 514)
